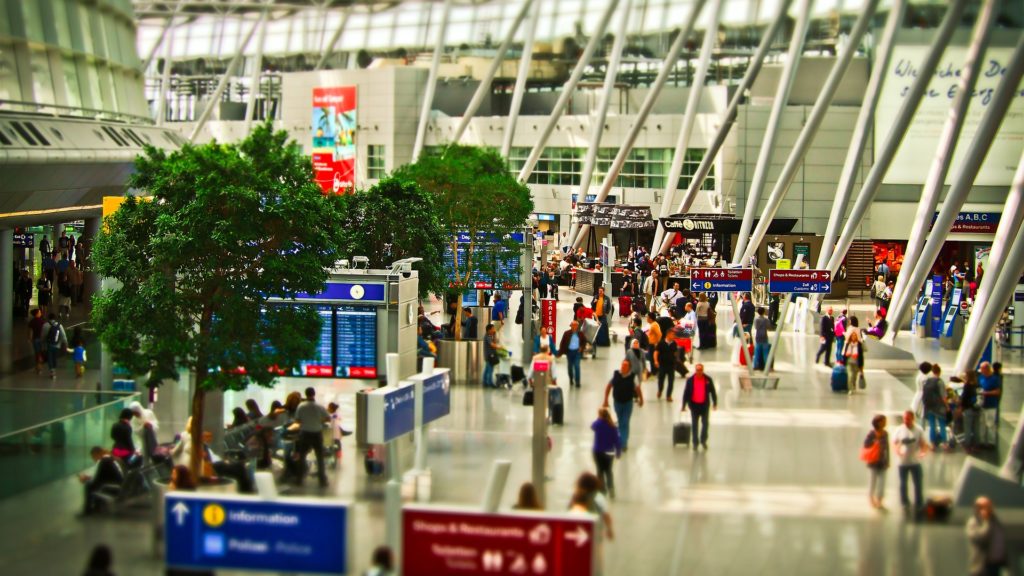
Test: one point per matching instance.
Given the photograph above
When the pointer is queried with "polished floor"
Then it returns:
(780, 490)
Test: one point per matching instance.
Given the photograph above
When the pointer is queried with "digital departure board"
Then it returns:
(355, 341)
(486, 274)
(322, 364)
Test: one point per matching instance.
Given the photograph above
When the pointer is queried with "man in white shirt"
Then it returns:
(672, 295)
(910, 445)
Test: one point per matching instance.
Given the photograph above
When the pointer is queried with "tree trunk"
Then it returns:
(457, 332)
(198, 404)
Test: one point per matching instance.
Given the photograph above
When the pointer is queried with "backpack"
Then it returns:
(931, 394)
(54, 334)
(840, 329)
(641, 337)
(663, 270)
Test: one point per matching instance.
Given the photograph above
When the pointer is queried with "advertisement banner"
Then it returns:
(549, 314)
(923, 134)
(334, 138)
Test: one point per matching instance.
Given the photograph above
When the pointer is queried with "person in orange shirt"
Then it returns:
(602, 306)
(653, 337)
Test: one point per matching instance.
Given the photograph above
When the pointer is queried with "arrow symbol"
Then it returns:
(180, 510)
(580, 536)
(826, 275)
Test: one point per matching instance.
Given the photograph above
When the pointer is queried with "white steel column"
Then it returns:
(1005, 267)
(6, 298)
(728, 119)
(329, 49)
(948, 140)
(485, 84)
(896, 132)
(641, 117)
(771, 131)
(163, 36)
(689, 116)
(567, 90)
(215, 99)
(165, 78)
(525, 58)
(257, 71)
(428, 96)
(861, 133)
(963, 179)
(597, 122)
(807, 134)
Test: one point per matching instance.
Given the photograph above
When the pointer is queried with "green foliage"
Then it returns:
(396, 219)
(227, 226)
(475, 194)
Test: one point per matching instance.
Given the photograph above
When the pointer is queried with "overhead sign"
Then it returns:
(334, 138)
(209, 532)
(24, 240)
(347, 291)
(800, 281)
(973, 222)
(460, 541)
(721, 280)
(390, 413)
(615, 216)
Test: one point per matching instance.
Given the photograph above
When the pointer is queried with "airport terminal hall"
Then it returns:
(512, 287)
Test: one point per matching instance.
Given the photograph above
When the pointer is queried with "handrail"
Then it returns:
(64, 390)
(65, 417)
(38, 108)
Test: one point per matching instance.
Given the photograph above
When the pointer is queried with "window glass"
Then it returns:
(90, 84)
(72, 89)
(33, 19)
(375, 162)
(42, 78)
(10, 88)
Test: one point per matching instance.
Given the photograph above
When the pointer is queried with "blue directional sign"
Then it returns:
(391, 412)
(799, 281)
(207, 532)
(437, 398)
(721, 280)
(347, 291)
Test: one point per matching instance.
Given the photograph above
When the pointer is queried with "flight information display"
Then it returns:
(355, 341)
(504, 272)
(322, 363)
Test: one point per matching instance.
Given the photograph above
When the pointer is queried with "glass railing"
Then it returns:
(49, 449)
(23, 407)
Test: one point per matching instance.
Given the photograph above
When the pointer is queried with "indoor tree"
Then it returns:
(226, 227)
(396, 219)
(480, 204)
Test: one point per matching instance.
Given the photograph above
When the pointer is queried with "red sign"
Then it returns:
(444, 541)
(800, 275)
(722, 274)
(963, 305)
(334, 138)
(548, 313)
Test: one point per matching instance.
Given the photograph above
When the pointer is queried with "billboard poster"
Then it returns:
(334, 138)
(913, 159)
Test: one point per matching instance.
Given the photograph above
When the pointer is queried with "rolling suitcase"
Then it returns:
(625, 306)
(517, 374)
(839, 378)
(681, 433)
(639, 305)
(590, 328)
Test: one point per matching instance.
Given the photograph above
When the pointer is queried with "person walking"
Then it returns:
(654, 336)
(827, 333)
(747, 313)
(490, 356)
(991, 382)
(665, 363)
(35, 335)
(853, 356)
(699, 395)
(910, 446)
(55, 340)
(969, 411)
(311, 418)
(761, 344)
(986, 540)
(875, 454)
(607, 445)
(602, 307)
(936, 404)
(571, 346)
(623, 389)
(839, 331)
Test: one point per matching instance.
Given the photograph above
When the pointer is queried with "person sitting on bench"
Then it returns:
(107, 472)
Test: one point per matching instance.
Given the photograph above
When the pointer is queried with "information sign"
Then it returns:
(437, 399)
(549, 314)
(936, 306)
(460, 541)
(347, 291)
(210, 532)
(800, 281)
(355, 342)
(721, 280)
(391, 412)
(322, 363)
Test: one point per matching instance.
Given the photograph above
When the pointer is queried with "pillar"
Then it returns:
(6, 298)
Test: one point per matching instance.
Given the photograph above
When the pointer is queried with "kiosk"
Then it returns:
(953, 322)
(922, 320)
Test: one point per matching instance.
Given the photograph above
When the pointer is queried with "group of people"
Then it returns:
(133, 444)
(49, 340)
(62, 282)
(843, 341)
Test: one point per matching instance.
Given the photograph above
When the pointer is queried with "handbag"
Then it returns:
(528, 397)
(871, 454)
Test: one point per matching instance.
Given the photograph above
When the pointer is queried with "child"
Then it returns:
(78, 353)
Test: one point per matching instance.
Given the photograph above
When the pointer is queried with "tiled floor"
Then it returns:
(781, 490)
